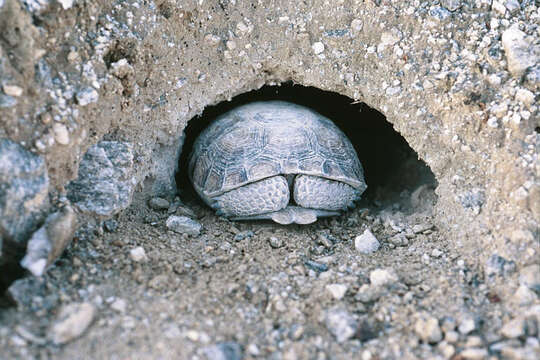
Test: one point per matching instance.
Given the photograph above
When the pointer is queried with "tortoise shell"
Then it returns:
(264, 139)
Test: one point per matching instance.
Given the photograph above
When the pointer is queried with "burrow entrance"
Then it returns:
(392, 168)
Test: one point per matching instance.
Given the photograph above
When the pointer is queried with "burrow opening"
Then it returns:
(392, 168)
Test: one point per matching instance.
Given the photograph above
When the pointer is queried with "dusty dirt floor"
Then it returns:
(260, 290)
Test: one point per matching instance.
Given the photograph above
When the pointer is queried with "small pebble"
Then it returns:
(436, 253)
(399, 240)
(87, 96)
(427, 328)
(121, 69)
(446, 349)
(137, 254)
(110, 225)
(366, 243)
(61, 133)
(451, 337)
(337, 290)
(275, 242)
(72, 322)
(524, 296)
(119, 305)
(253, 349)
(474, 354)
(341, 324)
(467, 325)
(318, 47)
(383, 277)
(473, 341)
(316, 266)
(525, 96)
(517, 50)
(183, 225)
(158, 203)
(356, 25)
(12, 90)
(224, 351)
(529, 276)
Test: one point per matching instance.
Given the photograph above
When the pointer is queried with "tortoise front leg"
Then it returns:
(264, 196)
(319, 193)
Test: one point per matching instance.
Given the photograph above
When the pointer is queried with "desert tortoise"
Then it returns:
(252, 160)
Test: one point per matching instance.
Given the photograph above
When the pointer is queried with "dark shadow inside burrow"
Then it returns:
(391, 166)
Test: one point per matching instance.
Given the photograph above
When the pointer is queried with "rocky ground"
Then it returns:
(377, 283)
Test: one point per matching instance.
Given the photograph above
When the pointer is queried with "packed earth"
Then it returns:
(106, 251)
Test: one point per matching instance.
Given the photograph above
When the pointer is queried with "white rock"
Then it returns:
(318, 47)
(451, 336)
(72, 322)
(356, 25)
(494, 79)
(499, 7)
(137, 254)
(119, 305)
(525, 96)
(467, 325)
(446, 349)
(341, 324)
(474, 354)
(122, 68)
(231, 45)
(383, 277)
(366, 243)
(242, 28)
(524, 296)
(337, 290)
(61, 133)
(389, 38)
(493, 123)
(87, 96)
(12, 90)
(529, 276)
(253, 349)
(518, 51)
(66, 4)
(513, 6)
(436, 253)
(514, 328)
(427, 328)
(499, 110)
